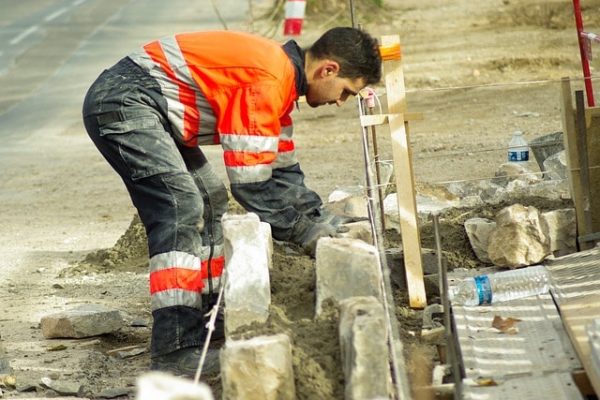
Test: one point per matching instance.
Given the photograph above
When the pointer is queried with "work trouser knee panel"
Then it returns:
(173, 213)
(144, 145)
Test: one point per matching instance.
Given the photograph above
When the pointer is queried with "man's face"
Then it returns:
(329, 88)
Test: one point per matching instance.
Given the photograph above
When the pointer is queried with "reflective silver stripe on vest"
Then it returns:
(172, 259)
(170, 90)
(176, 297)
(288, 158)
(257, 173)
(251, 143)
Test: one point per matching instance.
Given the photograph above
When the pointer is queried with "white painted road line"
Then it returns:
(55, 14)
(78, 2)
(23, 35)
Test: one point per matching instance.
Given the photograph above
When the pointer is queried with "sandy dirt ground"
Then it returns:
(476, 71)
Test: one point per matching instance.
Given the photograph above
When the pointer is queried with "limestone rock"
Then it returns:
(561, 228)
(346, 268)
(84, 321)
(162, 386)
(258, 369)
(478, 231)
(363, 341)
(348, 202)
(247, 292)
(519, 238)
(555, 166)
(359, 230)
(512, 171)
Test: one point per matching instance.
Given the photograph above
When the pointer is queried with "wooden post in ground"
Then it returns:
(583, 169)
(403, 172)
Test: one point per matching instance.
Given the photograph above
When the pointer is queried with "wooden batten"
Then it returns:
(585, 199)
(403, 171)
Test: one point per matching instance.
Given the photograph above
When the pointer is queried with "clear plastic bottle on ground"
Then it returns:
(501, 286)
(518, 149)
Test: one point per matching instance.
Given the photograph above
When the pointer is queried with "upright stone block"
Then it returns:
(258, 369)
(247, 257)
(162, 386)
(365, 353)
(346, 268)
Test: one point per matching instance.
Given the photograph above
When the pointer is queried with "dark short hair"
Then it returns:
(356, 51)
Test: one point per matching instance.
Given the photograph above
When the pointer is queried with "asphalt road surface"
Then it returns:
(50, 53)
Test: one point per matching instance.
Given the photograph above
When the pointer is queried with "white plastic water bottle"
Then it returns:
(518, 149)
(500, 286)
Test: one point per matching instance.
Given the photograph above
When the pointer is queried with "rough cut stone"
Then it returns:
(519, 238)
(64, 388)
(512, 171)
(247, 291)
(554, 190)
(363, 342)
(359, 230)
(478, 231)
(163, 386)
(84, 321)
(561, 228)
(555, 166)
(346, 268)
(485, 189)
(425, 206)
(349, 202)
(258, 369)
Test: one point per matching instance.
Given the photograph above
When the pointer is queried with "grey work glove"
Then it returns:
(325, 216)
(306, 233)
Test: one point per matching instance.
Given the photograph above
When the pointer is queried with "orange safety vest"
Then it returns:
(232, 88)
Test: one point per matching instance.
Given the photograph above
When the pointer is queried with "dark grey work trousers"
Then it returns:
(177, 195)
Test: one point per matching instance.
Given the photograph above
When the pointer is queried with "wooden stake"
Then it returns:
(407, 204)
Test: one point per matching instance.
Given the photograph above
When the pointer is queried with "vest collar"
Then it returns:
(296, 55)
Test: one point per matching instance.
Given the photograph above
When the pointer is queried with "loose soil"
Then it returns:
(476, 71)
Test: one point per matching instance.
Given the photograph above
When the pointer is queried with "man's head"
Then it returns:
(339, 64)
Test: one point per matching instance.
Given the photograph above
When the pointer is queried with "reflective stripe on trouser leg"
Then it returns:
(171, 208)
(215, 199)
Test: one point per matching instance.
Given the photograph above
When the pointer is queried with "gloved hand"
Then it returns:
(325, 216)
(306, 233)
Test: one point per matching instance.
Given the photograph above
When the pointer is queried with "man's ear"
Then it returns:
(328, 68)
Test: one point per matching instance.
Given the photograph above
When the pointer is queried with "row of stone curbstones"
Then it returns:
(347, 271)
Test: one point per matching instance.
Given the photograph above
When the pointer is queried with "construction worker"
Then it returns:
(151, 114)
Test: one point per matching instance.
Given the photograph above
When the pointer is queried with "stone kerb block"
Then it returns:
(555, 166)
(519, 238)
(479, 231)
(561, 227)
(365, 353)
(162, 386)
(80, 322)
(349, 202)
(359, 230)
(247, 292)
(346, 268)
(258, 369)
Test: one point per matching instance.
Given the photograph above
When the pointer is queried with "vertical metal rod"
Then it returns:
(377, 172)
(352, 13)
(451, 346)
(399, 375)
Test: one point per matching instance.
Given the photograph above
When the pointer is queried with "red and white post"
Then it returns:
(585, 64)
(294, 17)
